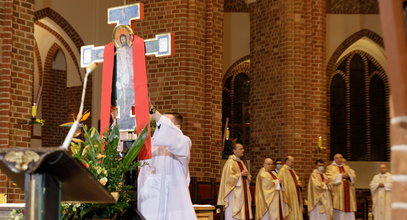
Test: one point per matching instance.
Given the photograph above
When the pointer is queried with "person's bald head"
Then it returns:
(238, 150)
(268, 164)
(289, 161)
(338, 158)
(383, 168)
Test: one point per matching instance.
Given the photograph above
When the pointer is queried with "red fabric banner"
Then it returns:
(140, 92)
(106, 91)
(142, 112)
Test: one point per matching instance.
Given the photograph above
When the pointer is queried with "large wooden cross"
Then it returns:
(128, 82)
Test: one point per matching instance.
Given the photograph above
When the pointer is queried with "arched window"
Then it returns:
(359, 111)
(236, 105)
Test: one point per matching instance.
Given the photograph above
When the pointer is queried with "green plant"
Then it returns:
(16, 214)
(103, 160)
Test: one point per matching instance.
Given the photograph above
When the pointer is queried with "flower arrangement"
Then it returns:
(16, 214)
(107, 164)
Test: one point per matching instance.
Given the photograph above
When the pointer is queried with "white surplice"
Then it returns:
(381, 196)
(341, 215)
(163, 183)
(316, 214)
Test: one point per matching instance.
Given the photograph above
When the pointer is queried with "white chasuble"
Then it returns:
(319, 197)
(381, 196)
(343, 191)
(163, 183)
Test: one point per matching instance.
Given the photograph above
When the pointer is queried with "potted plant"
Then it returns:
(106, 163)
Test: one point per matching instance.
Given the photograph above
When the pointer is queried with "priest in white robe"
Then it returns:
(234, 191)
(319, 194)
(380, 187)
(163, 182)
(269, 197)
(342, 182)
(292, 187)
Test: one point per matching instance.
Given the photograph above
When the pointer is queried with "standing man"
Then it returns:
(163, 182)
(342, 179)
(234, 192)
(319, 195)
(380, 188)
(269, 198)
(292, 189)
(279, 164)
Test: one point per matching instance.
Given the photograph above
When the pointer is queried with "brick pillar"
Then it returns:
(395, 39)
(190, 81)
(16, 79)
(288, 82)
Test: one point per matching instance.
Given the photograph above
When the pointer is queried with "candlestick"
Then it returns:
(227, 134)
(320, 142)
(34, 110)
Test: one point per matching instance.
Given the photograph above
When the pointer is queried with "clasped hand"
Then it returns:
(245, 173)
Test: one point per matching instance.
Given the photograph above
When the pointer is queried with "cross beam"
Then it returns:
(161, 45)
(123, 15)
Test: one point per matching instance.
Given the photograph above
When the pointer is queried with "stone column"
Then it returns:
(288, 82)
(16, 80)
(395, 41)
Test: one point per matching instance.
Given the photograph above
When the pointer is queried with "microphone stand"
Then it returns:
(75, 125)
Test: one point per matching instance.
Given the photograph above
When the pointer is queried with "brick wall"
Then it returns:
(288, 82)
(16, 79)
(190, 81)
(59, 102)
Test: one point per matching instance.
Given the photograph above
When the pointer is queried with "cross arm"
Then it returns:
(161, 45)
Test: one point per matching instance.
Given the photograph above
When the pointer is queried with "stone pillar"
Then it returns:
(288, 82)
(189, 82)
(16, 79)
(395, 40)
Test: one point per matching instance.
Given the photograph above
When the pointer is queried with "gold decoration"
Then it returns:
(122, 36)
(22, 158)
(3, 198)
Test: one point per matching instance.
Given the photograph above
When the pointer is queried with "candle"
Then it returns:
(227, 134)
(34, 110)
(320, 142)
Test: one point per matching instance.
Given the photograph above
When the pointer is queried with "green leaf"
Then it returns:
(135, 148)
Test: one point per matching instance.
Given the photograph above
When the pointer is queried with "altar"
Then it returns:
(6, 209)
(203, 212)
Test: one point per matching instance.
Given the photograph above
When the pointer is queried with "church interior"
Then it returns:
(303, 78)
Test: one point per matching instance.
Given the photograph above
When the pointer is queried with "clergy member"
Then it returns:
(269, 198)
(279, 164)
(351, 171)
(380, 188)
(234, 192)
(342, 181)
(163, 183)
(319, 195)
(291, 189)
